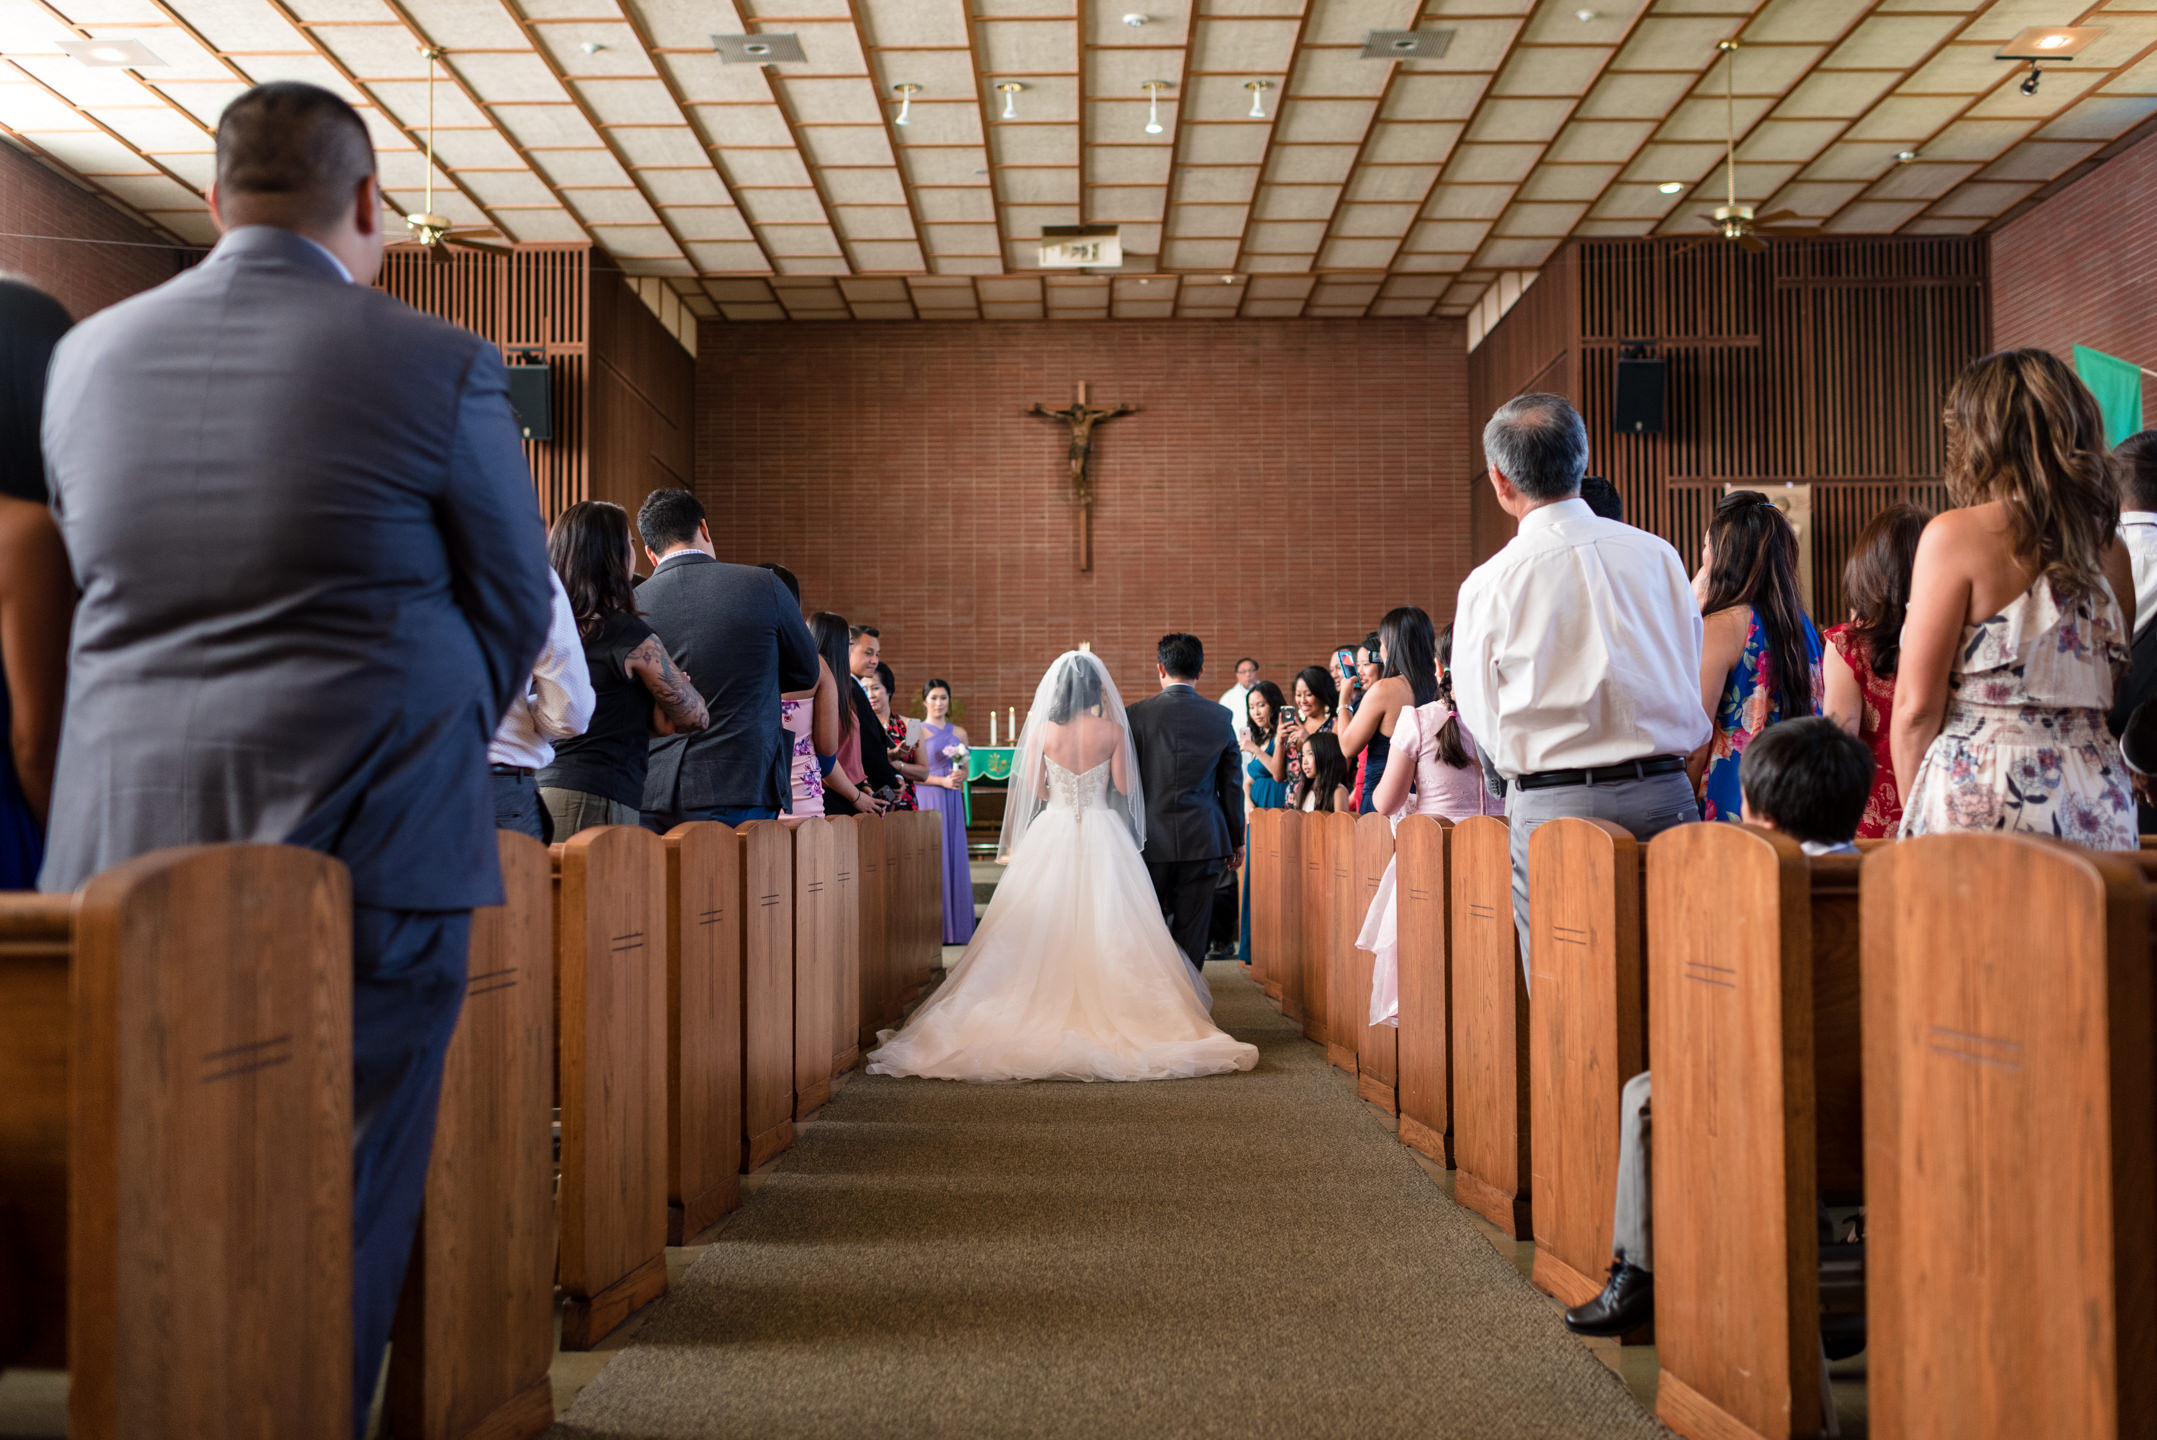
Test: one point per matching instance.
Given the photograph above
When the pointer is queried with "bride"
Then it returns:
(1072, 975)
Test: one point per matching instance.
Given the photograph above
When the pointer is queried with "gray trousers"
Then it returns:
(574, 810)
(1632, 1235)
(1645, 808)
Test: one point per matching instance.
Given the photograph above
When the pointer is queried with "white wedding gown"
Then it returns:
(1072, 975)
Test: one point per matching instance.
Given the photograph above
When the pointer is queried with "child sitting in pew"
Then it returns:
(1808, 778)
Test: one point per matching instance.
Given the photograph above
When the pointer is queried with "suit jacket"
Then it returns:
(313, 576)
(1192, 774)
(739, 634)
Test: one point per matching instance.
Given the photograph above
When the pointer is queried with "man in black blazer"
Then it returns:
(737, 632)
(1193, 778)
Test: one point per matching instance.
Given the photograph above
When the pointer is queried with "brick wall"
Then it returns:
(1284, 484)
(35, 201)
(2075, 269)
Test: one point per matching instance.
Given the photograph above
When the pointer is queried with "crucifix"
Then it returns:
(1082, 417)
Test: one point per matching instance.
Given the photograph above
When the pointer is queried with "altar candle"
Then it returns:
(992, 729)
(1012, 724)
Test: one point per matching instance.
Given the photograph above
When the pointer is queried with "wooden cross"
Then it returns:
(1082, 417)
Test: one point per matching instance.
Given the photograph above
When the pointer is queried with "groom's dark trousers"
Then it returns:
(1190, 770)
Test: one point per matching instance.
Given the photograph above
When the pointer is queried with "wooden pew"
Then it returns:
(2010, 1140)
(1491, 1125)
(1261, 891)
(846, 984)
(611, 1017)
(877, 996)
(767, 990)
(1288, 925)
(1424, 1040)
(176, 1143)
(1588, 1036)
(706, 910)
(816, 961)
(929, 893)
(1315, 916)
(1345, 1016)
(1377, 1051)
(1753, 1015)
(474, 1334)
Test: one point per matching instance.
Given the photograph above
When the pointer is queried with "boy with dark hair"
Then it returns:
(1809, 779)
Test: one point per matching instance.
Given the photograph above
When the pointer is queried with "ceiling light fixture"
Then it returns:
(1228, 279)
(1010, 91)
(1135, 21)
(1671, 187)
(2029, 85)
(906, 95)
(130, 54)
(591, 47)
(1258, 89)
(1904, 157)
(770, 48)
(1153, 89)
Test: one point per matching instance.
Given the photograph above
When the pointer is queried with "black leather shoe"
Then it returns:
(1626, 1304)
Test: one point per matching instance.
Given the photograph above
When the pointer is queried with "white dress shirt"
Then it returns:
(1578, 646)
(1235, 702)
(2138, 528)
(557, 703)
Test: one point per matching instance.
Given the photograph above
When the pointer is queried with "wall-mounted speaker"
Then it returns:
(528, 396)
(1637, 407)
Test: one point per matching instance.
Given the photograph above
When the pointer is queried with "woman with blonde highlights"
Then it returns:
(2014, 636)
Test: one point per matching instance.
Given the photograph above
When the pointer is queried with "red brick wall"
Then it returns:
(35, 201)
(1284, 484)
(2075, 270)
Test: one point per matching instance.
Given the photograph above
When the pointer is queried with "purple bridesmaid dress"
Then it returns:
(951, 804)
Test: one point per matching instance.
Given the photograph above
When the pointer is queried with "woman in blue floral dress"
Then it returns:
(2014, 637)
(1760, 655)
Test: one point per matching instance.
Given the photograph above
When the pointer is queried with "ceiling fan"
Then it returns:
(431, 230)
(1730, 220)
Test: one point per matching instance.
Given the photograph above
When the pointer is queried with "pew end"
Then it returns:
(816, 960)
(1377, 1046)
(845, 1042)
(1424, 1042)
(767, 991)
(705, 908)
(1492, 1122)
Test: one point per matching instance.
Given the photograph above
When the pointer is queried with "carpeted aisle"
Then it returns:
(1245, 1255)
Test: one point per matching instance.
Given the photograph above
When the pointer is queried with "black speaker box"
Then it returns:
(528, 397)
(1637, 408)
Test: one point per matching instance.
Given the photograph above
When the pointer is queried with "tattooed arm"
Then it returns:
(678, 706)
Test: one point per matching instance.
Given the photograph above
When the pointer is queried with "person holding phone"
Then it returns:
(1315, 700)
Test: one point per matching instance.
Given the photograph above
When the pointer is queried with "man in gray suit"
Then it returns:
(736, 631)
(313, 577)
(1192, 774)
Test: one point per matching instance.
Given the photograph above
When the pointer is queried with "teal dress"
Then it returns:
(1267, 793)
(1748, 707)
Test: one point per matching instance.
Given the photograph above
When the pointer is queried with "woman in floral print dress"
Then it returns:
(2014, 636)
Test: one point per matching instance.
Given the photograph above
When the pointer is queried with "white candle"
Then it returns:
(992, 728)
(1012, 724)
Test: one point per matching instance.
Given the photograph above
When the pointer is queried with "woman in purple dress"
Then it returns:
(943, 748)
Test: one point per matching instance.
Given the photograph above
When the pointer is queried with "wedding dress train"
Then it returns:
(1072, 975)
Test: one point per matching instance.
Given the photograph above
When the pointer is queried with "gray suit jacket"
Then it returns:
(1192, 773)
(313, 575)
(738, 633)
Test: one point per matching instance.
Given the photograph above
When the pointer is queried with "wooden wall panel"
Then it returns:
(1820, 362)
(643, 387)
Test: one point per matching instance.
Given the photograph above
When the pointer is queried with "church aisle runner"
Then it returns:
(1238, 1256)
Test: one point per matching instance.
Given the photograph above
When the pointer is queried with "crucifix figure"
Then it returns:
(1082, 417)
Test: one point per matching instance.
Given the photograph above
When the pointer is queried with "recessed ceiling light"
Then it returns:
(769, 48)
(130, 53)
(1228, 279)
(1904, 157)
(1671, 187)
(2049, 42)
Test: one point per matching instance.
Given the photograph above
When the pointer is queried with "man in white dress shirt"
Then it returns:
(1235, 701)
(557, 703)
(1576, 648)
(2136, 459)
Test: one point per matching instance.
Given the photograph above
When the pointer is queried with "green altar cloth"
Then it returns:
(991, 763)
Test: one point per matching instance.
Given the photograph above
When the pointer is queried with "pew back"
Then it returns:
(878, 1004)
(1316, 915)
(1344, 916)
(1491, 1128)
(2011, 1139)
(1288, 910)
(474, 1334)
(767, 963)
(1424, 1044)
(1262, 897)
(846, 984)
(816, 961)
(705, 932)
(1589, 1035)
(1377, 1053)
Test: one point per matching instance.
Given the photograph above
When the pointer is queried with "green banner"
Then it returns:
(2117, 384)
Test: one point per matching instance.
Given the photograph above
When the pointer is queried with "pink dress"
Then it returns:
(1442, 790)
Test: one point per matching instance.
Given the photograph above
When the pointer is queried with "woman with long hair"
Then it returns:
(811, 721)
(37, 590)
(1433, 756)
(845, 791)
(2015, 634)
(1863, 652)
(1314, 700)
(597, 778)
(944, 747)
(1759, 656)
(1264, 785)
(1406, 680)
(1324, 786)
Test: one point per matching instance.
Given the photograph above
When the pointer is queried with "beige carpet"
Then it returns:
(1239, 1256)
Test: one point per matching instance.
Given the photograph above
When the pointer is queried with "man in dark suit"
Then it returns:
(737, 632)
(1193, 778)
(313, 577)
